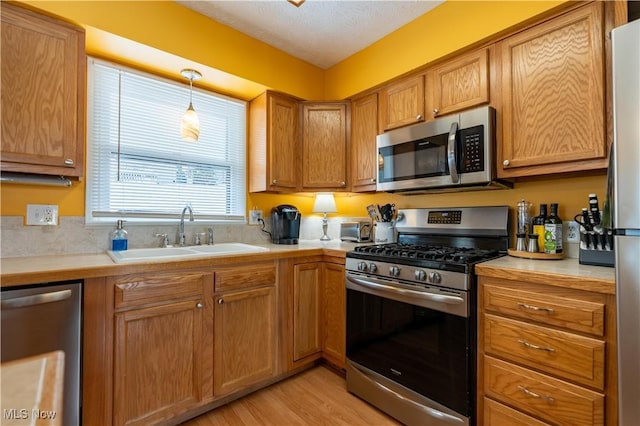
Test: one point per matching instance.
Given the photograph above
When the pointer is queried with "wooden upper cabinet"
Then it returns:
(458, 84)
(273, 143)
(553, 114)
(43, 71)
(364, 129)
(324, 146)
(401, 103)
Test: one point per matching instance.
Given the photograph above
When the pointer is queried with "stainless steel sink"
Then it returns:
(176, 253)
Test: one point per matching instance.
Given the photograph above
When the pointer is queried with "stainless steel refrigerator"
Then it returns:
(626, 205)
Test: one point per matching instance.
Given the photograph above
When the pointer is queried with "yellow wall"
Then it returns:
(163, 37)
(449, 27)
(570, 193)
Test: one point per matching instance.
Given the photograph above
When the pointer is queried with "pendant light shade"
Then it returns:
(190, 130)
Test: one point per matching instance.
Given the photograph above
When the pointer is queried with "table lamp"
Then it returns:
(325, 203)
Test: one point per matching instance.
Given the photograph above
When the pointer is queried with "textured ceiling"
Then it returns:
(321, 32)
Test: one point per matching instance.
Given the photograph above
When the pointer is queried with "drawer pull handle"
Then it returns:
(549, 399)
(532, 346)
(535, 308)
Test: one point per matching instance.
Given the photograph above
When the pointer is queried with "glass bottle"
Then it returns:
(537, 226)
(119, 240)
(553, 232)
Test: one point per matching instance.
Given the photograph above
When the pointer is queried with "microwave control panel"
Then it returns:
(472, 144)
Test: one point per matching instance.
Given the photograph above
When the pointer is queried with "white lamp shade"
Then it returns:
(325, 203)
(190, 125)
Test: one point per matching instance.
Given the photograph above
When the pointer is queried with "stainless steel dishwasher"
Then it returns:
(42, 318)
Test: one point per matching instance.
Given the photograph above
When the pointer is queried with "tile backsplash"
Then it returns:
(72, 236)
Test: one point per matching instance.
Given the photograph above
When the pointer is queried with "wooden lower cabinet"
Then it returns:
(160, 349)
(546, 353)
(496, 414)
(245, 338)
(307, 310)
(317, 305)
(334, 312)
(245, 327)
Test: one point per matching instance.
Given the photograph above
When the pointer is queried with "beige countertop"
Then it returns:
(564, 273)
(38, 269)
(28, 270)
(32, 390)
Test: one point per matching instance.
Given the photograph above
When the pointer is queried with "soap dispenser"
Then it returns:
(119, 241)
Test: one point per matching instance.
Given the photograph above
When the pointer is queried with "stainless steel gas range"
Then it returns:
(411, 313)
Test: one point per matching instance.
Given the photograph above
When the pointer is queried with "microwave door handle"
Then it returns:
(451, 153)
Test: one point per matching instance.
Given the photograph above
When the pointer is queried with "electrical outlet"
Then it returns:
(572, 232)
(42, 214)
(254, 217)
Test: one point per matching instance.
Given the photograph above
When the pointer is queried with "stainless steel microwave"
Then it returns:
(455, 152)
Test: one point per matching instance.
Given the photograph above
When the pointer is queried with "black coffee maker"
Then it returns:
(285, 224)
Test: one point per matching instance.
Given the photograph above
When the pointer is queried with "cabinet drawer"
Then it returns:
(573, 314)
(570, 356)
(496, 414)
(243, 276)
(136, 290)
(550, 399)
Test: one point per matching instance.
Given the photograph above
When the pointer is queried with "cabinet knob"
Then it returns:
(436, 111)
(419, 117)
(274, 182)
(505, 163)
(69, 162)
(221, 301)
(199, 305)
(373, 180)
(343, 183)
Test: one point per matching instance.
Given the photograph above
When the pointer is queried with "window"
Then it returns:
(139, 169)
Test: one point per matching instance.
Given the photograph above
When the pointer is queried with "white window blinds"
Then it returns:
(138, 168)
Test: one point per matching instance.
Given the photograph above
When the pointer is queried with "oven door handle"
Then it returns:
(428, 410)
(451, 153)
(439, 298)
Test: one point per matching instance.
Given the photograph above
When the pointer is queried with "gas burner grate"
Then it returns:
(457, 255)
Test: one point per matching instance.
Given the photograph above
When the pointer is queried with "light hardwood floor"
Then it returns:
(314, 397)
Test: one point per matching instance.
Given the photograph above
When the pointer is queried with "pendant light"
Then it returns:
(190, 121)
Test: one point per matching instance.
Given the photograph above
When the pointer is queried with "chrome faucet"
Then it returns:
(181, 236)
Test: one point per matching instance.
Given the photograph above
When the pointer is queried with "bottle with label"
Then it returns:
(553, 232)
(119, 240)
(537, 226)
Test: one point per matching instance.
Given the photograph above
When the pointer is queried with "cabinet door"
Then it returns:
(334, 302)
(158, 362)
(364, 156)
(307, 311)
(245, 336)
(43, 91)
(458, 84)
(324, 146)
(273, 143)
(402, 103)
(553, 89)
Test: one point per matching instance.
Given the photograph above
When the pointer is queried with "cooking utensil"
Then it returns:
(373, 212)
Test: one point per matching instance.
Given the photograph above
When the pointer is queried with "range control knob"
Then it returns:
(372, 267)
(420, 275)
(362, 266)
(434, 277)
(394, 271)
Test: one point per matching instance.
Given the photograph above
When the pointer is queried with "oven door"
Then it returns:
(412, 348)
